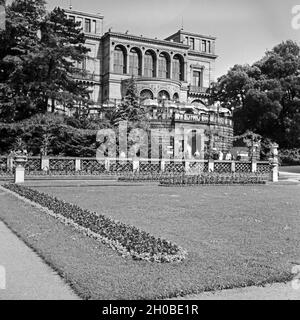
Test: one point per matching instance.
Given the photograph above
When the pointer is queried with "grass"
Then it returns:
(292, 169)
(235, 236)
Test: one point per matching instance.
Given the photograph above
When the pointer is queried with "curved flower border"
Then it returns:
(160, 257)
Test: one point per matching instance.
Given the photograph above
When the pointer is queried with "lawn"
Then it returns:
(235, 236)
(292, 169)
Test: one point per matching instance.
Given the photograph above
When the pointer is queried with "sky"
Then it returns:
(245, 29)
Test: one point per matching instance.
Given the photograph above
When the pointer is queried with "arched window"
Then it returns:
(163, 95)
(119, 60)
(178, 68)
(150, 64)
(176, 97)
(163, 66)
(134, 62)
(146, 94)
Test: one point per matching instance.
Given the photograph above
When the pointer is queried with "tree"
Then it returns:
(130, 110)
(266, 95)
(37, 55)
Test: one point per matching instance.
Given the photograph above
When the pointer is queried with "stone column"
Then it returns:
(274, 163)
(211, 165)
(187, 166)
(107, 164)
(162, 165)
(19, 174)
(45, 163)
(20, 161)
(253, 165)
(77, 164)
(233, 166)
(136, 165)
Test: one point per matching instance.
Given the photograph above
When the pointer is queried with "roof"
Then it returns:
(181, 31)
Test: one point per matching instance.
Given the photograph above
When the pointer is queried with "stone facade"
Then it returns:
(192, 55)
(178, 69)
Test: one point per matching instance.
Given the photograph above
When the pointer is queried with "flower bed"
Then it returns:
(126, 239)
(147, 177)
(214, 179)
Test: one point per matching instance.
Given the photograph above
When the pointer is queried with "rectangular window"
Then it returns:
(192, 43)
(94, 26)
(186, 40)
(197, 78)
(162, 68)
(118, 61)
(176, 69)
(72, 18)
(148, 70)
(209, 46)
(204, 45)
(87, 25)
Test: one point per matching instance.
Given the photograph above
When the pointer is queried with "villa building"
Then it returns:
(172, 77)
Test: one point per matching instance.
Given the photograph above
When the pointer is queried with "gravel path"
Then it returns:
(27, 276)
(277, 291)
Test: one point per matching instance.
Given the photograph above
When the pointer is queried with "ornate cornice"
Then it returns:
(146, 40)
(201, 54)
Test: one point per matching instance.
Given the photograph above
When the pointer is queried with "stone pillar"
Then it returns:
(142, 64)
(107, 164)
(162, 165)
(187, 166)
(211, 165)
(274, 163)
(45, 166)
(77, 164)
(10, 163)
(253, 165)
(233, 166)
(19, 174)
(136, 165)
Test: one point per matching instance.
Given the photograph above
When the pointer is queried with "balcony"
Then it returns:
(207, 119)
(80, 74)
(197, 90)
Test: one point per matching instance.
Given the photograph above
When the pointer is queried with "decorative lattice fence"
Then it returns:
(198, 167)
(176, 167)
(3, 165)
(92, 166)
(149, 167)
(33, 164)
(64, 164)
(222, 167)
(119, 167)
(242, 167)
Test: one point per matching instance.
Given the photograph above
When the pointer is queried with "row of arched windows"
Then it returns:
(154, 66)
(162, 95)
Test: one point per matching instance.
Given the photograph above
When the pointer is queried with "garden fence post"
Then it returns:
(10, 163)
(211, 165)
(187, 166)
(232, 166)
(107, 164)
(136, 165)
(45, 163)
(162, 165)
(77, 164)
(253, 165)
(274, 163)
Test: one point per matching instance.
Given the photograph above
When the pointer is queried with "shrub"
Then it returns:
(289, 157)
(126, 239)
